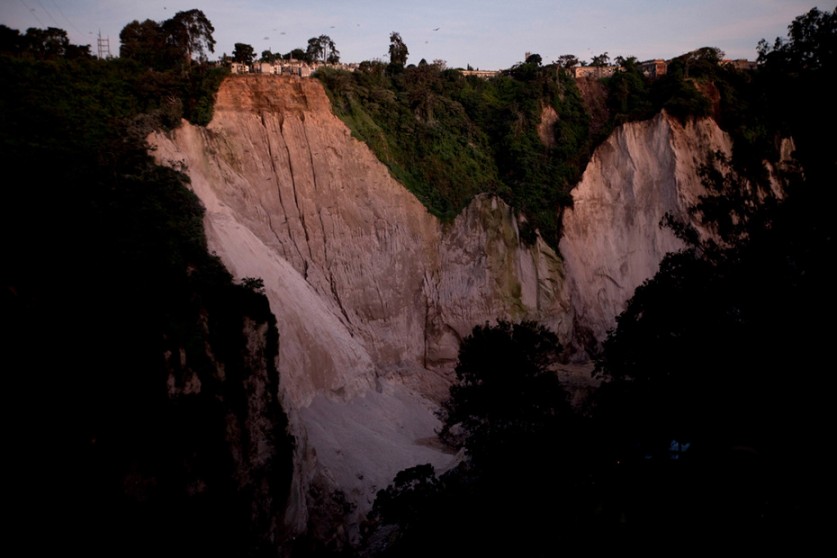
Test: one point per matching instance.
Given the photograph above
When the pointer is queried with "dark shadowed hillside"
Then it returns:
(142, 403)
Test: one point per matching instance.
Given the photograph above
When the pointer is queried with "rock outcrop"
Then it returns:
(612, 237)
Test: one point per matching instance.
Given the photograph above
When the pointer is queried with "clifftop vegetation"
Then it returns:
(448, 137)
(526, 134)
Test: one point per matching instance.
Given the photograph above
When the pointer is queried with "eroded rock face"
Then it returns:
(371, 293)
(612, 239)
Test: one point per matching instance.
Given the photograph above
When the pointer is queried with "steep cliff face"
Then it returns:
(612, 239)
(372, 294)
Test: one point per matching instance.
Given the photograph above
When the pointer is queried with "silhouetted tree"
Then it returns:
(145, 43)
(322, 48)
(398, 51)
(522, 448)
(190, 33)
(506, 392)
(296, 54)
(11, 41)
(47, 43)
(600, 60)
(42, 44)
(244, 54)
(170, 44)
(567, 61)
(268, 56)
(702, 62)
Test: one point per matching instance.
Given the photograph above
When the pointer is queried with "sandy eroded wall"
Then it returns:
(371, 293)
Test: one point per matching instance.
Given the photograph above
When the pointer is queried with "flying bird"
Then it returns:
(437, 29)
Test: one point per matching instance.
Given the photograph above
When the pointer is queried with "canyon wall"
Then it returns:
(372, 294)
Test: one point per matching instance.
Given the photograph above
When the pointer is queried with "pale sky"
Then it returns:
(487, 34)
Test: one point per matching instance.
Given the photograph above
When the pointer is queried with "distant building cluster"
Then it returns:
(596, 72)
(740, 64)
(485, 74)
(652, 69)
(286, 68)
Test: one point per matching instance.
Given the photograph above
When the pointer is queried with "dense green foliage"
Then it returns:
(698, 84)
(447, 137)
(438, 154)
(161, 71)
(41, 44)
(171, 44)
(110, 307)
(114, 90)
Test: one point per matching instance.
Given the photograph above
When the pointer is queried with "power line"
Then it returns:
(60, 11)
(32, 11)
(47, 13)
